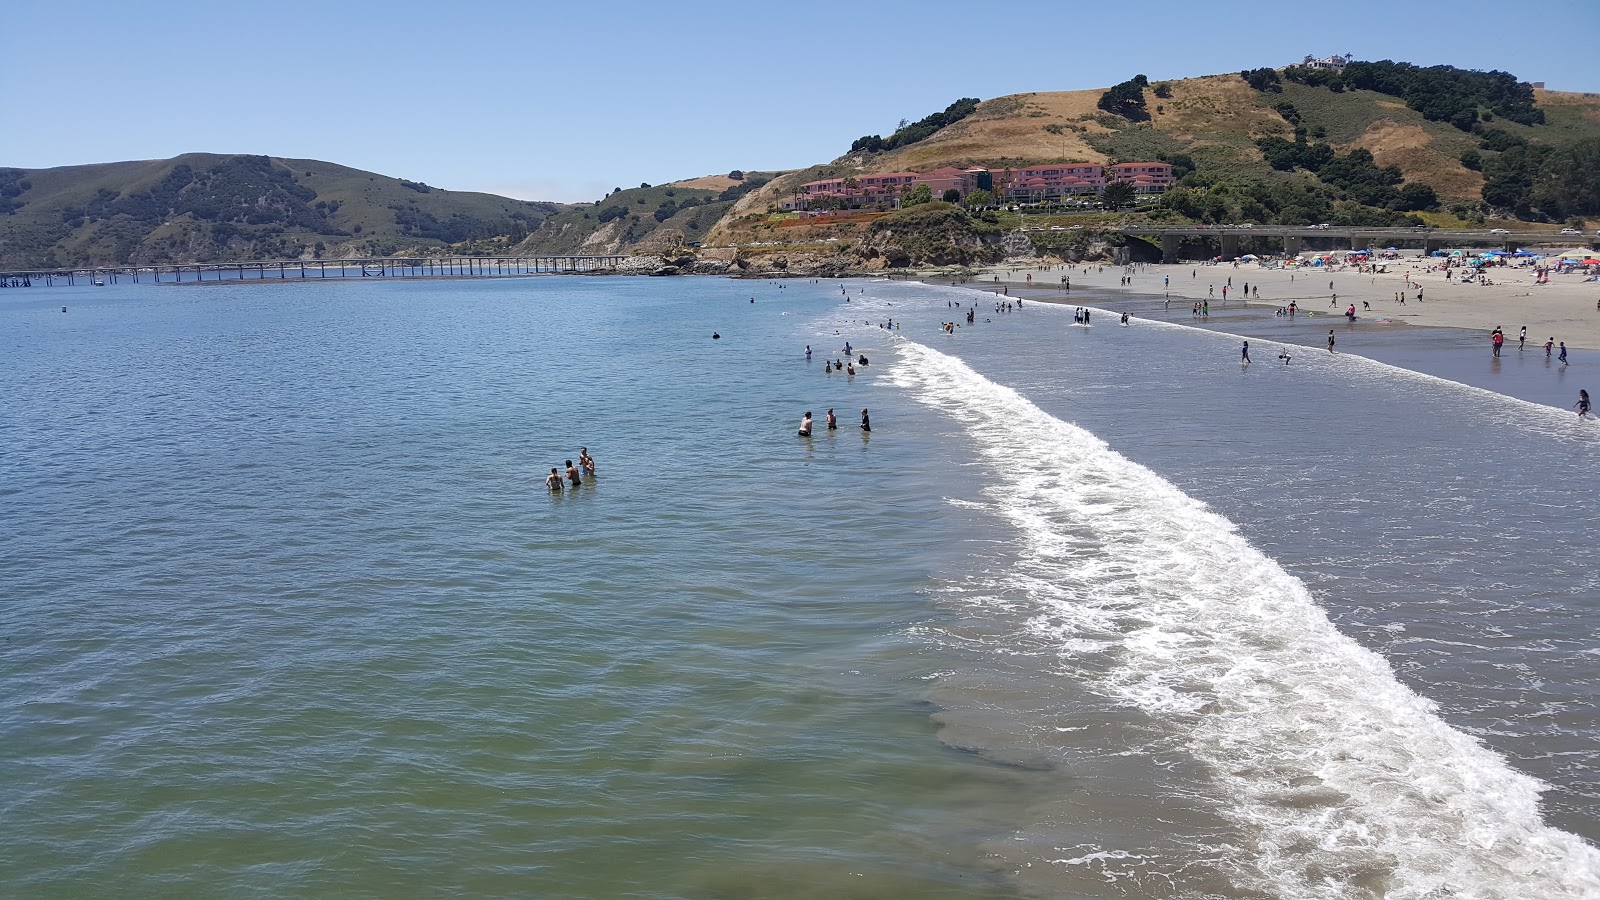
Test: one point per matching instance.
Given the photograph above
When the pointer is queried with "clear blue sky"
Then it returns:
(564, 102)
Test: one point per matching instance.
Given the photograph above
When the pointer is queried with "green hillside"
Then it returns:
(203, 207)
(645, 218)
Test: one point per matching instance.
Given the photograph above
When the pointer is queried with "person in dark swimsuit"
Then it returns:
(866, 423)
(833, 421)
(805, 424)
(1583, 404)
(572, 474)
(553, 481)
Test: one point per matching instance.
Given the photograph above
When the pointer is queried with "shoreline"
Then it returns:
(1564, 310)
(1447, 352)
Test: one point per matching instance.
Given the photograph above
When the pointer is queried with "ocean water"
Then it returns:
(1091, 612)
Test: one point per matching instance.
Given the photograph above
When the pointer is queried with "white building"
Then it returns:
(1331, 63)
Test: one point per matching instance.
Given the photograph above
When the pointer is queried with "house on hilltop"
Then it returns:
(1329, 63)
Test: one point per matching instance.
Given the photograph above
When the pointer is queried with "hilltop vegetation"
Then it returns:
(923, 128)
(207, 207)
(646, 218)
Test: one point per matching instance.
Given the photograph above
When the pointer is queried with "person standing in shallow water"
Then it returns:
(833, 421)
(1330, 340)
(1582, 404)
(585, 461)
(866, 423)
(805, 424)
(1244, 355)
(553, 481)
(572, 474)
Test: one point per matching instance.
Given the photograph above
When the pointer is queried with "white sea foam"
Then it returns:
(1347, 782)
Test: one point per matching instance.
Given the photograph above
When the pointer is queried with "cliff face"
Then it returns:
(934, 234)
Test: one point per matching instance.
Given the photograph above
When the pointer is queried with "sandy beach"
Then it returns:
(1565, 309)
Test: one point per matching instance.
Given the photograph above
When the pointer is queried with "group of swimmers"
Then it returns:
(554, 483)
(833, 422)
(1497, 338)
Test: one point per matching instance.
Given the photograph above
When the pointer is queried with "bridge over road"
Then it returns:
(1294, 237)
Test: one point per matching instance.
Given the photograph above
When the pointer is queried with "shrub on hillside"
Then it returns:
(1126, 99)
(919, 130)
(1263, 79)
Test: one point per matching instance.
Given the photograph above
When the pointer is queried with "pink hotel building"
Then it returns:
(1030, 184)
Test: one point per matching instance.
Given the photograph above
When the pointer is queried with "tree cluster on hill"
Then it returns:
(1356, 176)
(1263, 79)
(246, 190)
(746, 185)
(1440, 93)
(13, 184)
(459, 227)
(1286, 202)
(1126, 99)
(919, 130)
(1545, 182)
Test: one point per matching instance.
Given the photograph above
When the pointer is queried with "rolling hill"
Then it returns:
(203, 207)
(1214, 127)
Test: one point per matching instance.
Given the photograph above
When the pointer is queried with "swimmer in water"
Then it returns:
(572, 474)
(866, 423)
(805, 424)
(833, 421)
(585, 461)
(553, 481)
(1582, 404)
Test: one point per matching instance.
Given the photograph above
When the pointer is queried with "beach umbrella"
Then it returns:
(1388, 248)
(1591, 261)
(1573, 254)
(1457, 253)
(1248, 256)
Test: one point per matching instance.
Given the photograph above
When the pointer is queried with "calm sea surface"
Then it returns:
(285, 610)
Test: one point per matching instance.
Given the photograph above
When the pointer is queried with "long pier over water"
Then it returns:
(297, 269)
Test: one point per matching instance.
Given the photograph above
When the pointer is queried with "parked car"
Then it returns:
(1570, 231)
(1498, 231)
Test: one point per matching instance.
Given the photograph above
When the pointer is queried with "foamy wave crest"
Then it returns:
(1347, 783)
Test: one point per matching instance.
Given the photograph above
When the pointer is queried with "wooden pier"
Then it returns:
(306, 269)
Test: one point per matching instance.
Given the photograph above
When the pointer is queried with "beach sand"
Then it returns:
(1564, 310)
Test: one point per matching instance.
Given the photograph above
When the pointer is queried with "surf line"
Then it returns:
(1311, 736)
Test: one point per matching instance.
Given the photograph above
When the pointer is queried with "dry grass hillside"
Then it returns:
(1214, 119)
